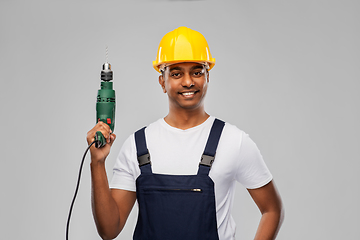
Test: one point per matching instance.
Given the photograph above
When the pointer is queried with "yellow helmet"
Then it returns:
(183, 45)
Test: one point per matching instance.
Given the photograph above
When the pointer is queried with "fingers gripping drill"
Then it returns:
(105, 104)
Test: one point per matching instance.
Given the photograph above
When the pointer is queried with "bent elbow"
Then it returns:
(108, 234)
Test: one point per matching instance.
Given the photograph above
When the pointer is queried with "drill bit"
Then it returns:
(106, 73)
(107, 65)
(106, 54)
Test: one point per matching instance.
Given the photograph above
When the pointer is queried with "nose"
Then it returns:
(187, 80)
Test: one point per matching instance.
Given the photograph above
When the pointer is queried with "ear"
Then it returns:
(207, 75)
(162, 83)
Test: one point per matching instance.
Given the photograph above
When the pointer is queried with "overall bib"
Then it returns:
(176, 207)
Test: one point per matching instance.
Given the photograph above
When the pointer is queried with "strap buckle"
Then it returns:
(144, 159)
(207, 160)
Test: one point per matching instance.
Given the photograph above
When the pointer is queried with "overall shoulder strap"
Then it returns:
(208, 156)
(143, 155)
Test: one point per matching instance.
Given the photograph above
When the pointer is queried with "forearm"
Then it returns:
(269, 225)
(105, 210)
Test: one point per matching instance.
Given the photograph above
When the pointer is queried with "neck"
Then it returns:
(186, 119)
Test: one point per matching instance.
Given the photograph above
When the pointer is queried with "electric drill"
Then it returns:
(105, 104)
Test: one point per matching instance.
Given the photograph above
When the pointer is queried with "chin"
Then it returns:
(191, 106)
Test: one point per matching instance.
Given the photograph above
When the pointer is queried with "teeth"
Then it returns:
(188, 93)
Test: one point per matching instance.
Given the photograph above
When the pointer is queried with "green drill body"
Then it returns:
(105, 104)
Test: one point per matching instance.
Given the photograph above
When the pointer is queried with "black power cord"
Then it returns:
(76, 191)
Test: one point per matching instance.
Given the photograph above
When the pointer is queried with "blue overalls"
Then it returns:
(176, 207)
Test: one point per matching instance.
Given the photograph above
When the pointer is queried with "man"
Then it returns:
(159, 166)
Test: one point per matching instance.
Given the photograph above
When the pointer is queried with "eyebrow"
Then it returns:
(180, 68)
(175, 68)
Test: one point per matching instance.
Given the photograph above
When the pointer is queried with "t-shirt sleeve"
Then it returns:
(126, 169)
(252, 171)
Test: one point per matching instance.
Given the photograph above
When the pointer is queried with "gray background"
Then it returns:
(287, 73)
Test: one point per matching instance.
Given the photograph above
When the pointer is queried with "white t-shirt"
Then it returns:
(178, 152)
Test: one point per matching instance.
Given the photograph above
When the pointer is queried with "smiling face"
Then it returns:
(185, 84)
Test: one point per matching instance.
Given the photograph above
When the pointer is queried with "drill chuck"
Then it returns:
(106, 73)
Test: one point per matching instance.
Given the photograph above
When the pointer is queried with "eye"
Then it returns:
(198, 73)
(175, 74)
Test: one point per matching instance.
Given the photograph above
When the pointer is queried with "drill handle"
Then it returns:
(100, 140)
